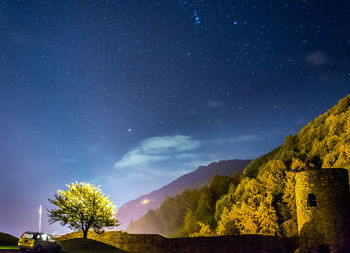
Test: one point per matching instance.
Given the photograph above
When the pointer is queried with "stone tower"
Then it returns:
(322, 200)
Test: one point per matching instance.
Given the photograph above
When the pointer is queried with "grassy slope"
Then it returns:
(77, 245)
(8, 240)
(80, 245)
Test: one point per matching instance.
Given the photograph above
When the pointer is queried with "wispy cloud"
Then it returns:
(157, 149)
(316, 59)
(215, 104)
(245, 138)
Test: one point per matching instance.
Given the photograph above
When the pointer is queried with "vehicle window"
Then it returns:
(44, 237)
(38, 236)
(27, 235)
(50, 238)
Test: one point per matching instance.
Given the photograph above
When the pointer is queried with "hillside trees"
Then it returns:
(323, 143)
(151, 217)
(191, 212)
(262, 200)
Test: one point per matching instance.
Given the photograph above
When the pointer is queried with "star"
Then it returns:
(196, 17)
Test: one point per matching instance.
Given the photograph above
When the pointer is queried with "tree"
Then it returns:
(83, 206)
(204, 231)
(204, 212)
(219, 186)
(228, 222)
(190, 224)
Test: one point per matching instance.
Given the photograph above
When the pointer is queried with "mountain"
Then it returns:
(134, 209)
(262, 200)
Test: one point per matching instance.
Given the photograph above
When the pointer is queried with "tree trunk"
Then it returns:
(85, 231)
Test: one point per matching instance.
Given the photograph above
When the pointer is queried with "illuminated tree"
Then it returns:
(289, 225)
(204, 231)
(227, 224)
(83, 206)
(190, 223)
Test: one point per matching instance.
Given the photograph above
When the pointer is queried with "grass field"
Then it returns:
(76, 245)
(81, 245)
(7, 240)
(7, 247)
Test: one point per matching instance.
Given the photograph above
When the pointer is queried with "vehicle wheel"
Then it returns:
(38, 249)
(58, 250)
(22, 250)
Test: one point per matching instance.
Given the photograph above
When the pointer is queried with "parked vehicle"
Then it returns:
(38, 242)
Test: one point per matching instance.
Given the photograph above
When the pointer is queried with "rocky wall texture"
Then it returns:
(322, 200)
(223, 244)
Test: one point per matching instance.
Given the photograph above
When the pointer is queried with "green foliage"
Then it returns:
(173, 210)
(191, 224)
(83, 206)
(227, 200)
(182, 214)
(168, 219)
(204, 208)
(228, 224)
(219, 185)
(204, 231)
(287, 207)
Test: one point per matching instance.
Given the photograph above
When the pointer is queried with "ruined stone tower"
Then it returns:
(322, 200)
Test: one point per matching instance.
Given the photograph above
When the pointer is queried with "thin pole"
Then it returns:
(40, 219)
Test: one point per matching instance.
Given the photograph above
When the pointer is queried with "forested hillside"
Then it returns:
(137, 208)
(189, 207)
(261, 201)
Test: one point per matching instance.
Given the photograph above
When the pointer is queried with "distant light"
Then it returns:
(145, 202)
(129, 130)
(235, 22)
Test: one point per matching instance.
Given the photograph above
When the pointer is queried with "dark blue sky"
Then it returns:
(131, 94)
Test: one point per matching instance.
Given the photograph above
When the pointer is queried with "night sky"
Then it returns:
(131, 94)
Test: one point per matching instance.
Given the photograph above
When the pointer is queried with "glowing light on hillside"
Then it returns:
(145, 202)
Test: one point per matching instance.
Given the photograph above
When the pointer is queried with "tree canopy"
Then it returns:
(83, 206)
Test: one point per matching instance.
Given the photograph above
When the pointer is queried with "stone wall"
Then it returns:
(322, 198)
(223, 244)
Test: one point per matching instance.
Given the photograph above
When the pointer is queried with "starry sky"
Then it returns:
(131, 94)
